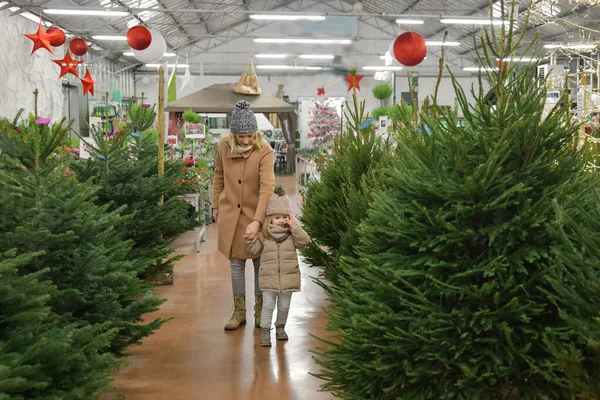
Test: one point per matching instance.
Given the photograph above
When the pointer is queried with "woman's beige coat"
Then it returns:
(242, 187)
(279, 269)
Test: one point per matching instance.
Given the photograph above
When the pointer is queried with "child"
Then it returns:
(279, 274)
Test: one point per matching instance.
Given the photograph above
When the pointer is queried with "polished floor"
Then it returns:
(192, 357)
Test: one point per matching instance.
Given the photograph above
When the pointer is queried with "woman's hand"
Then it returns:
(216, 214)
(292, 221)
(252, 230)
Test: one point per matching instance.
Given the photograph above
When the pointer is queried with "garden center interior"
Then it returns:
(114, 113)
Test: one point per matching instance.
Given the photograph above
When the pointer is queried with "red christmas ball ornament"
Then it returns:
(57, 36)
(78, 46)
(409, 49)
(139, 38)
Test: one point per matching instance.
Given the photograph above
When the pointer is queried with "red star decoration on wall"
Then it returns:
(320, 91)
(353, 81)
(67, 65)
(40, 39)
(87, 83)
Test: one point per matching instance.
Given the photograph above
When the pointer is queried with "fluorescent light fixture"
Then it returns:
(279, 67)
(381, 68)
(518, 59)
(96, 13)
(169, 65)
(572, 46)
(115, 38)
(130, 54)
(35, 18)
(317, 56)
(436, 43)
(410, 21)
(313, 68)
(274, 17)
(477, 69)
(302, 41)
(472, 21)
(272, 55)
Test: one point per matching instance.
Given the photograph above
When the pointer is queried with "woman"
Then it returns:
(243, 184)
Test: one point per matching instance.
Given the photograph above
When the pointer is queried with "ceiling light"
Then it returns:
(303, 41)
(572, 46)
(34, 18)
(168, 65)
(279, 67)
(130, 54)
(477, 69)
(381, 68)
(410, 21)
(313, 68)
(435, 43)
(97, 13)
(116, 38)
(317, 56)
(288, 17)
(271, 56)
(518, 59)
(471, 21)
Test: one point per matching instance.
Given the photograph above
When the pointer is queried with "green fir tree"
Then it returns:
(338, 201)
(51, 212)
(125, 166)
(478, 267)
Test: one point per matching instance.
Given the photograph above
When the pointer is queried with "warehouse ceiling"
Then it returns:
(220, 33)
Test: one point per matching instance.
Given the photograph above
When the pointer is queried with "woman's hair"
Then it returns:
(265, 228)
(258, 141)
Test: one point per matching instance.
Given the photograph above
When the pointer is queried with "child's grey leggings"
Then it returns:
(238, 276)
(283, 300)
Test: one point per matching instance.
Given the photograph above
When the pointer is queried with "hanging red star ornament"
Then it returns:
(67, 65)
(353, 80)
(87, 83)
(40, 39)
(320, 91)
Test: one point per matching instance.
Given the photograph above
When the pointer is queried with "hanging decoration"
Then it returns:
(320, 91)
(154, 52)
(325, 122)
(139, 38)
(87, 83)
(58, 36)
(353, 80)
(409, 49)
(78, 46)
(41, 39)
(67, 65)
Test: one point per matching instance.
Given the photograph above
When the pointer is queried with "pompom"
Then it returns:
(242, 104)
(279, 190)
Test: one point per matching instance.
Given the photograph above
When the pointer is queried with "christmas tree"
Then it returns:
(49, 211)
(42, 357)
(477, 271)
(325, 122)
(124, 164)
(338, 201)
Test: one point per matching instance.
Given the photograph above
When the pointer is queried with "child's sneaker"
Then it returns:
(265, 337)
(280, 332)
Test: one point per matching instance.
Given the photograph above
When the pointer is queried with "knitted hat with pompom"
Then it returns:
(278, 203)
(243, 119)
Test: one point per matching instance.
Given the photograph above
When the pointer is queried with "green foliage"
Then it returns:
(378, 112)
(41, 357)
(382, 91)
(401, 113)
(338, 202)
(126, 169)
(477, 271)
(151, 134)
(192, 117)
(141, 118)
(50, 211)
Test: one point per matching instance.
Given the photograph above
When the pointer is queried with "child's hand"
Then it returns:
(292, 221)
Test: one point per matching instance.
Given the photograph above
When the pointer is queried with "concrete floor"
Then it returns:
(192, 357)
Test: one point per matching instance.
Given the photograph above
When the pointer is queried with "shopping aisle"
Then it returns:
(193, 358)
